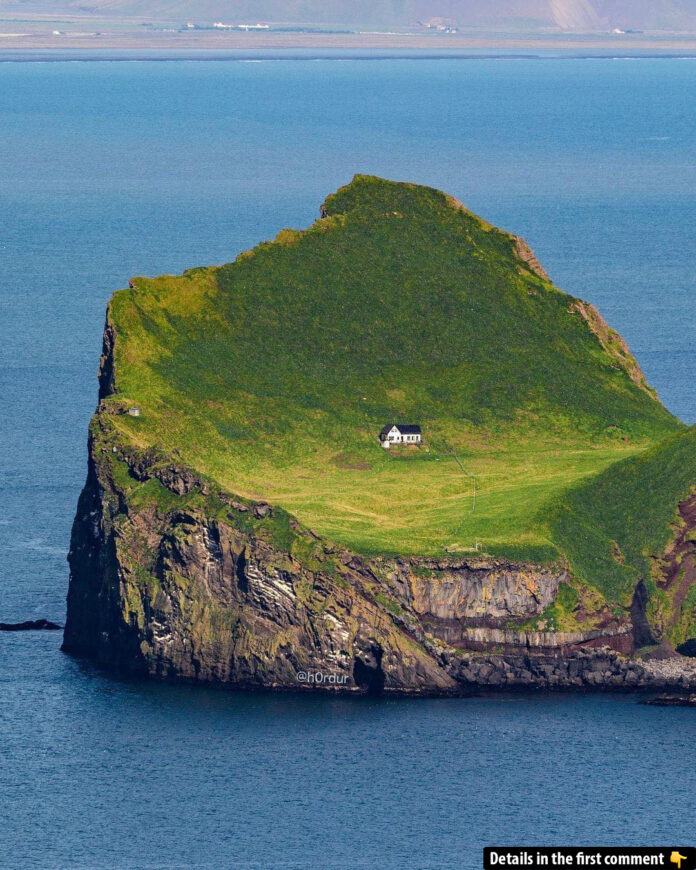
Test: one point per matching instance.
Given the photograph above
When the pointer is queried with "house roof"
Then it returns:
(404, 428)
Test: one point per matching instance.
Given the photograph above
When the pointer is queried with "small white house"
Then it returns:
(400, 433)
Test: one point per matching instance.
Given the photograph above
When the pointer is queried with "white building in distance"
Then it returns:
(400, 433)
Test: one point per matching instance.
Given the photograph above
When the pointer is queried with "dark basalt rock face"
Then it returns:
(642, 631)
(180, 594)
(688, 648)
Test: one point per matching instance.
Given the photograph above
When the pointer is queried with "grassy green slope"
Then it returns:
(274, 374)
(613, 527)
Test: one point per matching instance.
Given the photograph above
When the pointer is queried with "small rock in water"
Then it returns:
(671, 701)
(31, 625)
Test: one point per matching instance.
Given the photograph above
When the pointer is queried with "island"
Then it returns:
(242, 524)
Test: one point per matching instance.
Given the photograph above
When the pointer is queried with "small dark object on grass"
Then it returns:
(31, 625)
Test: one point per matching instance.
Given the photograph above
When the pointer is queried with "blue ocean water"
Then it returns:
(109, 170)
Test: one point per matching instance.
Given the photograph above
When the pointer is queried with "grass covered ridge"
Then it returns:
(274, 374)
(615, 526)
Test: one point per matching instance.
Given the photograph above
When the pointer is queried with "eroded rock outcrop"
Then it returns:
(177, 583)
(612, 343)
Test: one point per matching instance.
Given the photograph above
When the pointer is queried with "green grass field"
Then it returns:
(410, 500)
(275, 373)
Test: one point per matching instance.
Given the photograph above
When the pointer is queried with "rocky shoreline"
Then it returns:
(585, 670)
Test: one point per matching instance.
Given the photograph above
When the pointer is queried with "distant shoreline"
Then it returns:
(76, 55)
(26, 40)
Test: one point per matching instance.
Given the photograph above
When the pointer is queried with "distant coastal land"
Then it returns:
(36, 42)
(454, 26)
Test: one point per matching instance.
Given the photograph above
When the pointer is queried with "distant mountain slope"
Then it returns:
(518, 14)
(575, 14)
